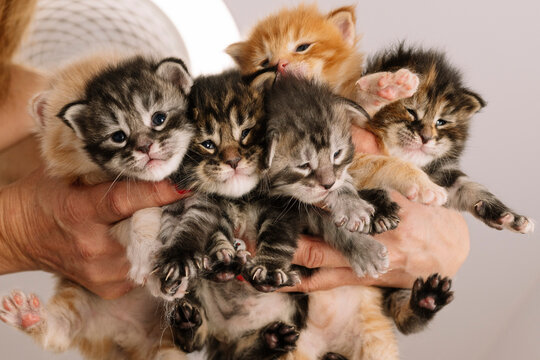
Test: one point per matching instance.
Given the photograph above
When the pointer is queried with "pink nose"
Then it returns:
(281, 65)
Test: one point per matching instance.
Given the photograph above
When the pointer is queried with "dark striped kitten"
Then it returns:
(430, 129)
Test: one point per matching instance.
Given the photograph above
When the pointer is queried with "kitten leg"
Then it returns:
(55, 326)
(189, 325)
(367, 256)
(348, 209)
(276, 243)
(386, 216)
(186, 228)
(224, 261)
(375, 171)
(377, 90)
(413, 309)
(466, 195)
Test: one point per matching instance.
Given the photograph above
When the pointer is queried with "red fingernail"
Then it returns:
(182, 191)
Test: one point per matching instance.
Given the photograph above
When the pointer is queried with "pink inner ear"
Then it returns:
(38, 109)
(345, 25)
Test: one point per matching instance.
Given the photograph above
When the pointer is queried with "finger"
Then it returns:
(364, 141)
(113, 290)
(313, 253)
(118, 201)
(328, 278)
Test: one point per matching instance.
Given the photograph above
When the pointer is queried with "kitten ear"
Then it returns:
(37, 108)
(272, 139)
(344, 19)
(236, 51)
(175, 71)
(262, 79)
(357, 113)
(472, 102)
(70, 113)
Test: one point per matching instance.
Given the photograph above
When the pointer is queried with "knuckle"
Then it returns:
(74, 212)
(313, 256)
(117, 205)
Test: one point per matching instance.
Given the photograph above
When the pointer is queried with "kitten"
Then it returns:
(102, 119)
(430, 130)
(233, 319)
(303, 41)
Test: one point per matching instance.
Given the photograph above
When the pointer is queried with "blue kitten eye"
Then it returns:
(302, 47)
(119, 137)
(336, 154)
(209, 144)
(158, 118)
(441, 122)
(245, 133)
(304, 166)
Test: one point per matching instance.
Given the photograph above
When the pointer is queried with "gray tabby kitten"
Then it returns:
(104, 119)
(430, 130)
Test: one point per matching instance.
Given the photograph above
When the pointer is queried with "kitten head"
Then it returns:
(302, 41)
(432, 124)
(116, 117)
(225, 156)
(309, 139)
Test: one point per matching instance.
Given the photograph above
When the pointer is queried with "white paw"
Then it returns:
(21, 311)
(372, 264)
(354, 216)
(386, 87)
(428, 194)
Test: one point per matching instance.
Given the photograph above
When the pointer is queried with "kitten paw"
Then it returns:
(386, 87)
(225, 264)
(280, 337)
(428, 193)
(352, 213)
(185, 320)
(333, 356)
(499, 217)
(174, 272)
(430, 296)
(386, 215)
(21, 311)
(371, 259)
(266, 280)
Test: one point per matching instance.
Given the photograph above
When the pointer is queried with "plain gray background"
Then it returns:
(495, 314)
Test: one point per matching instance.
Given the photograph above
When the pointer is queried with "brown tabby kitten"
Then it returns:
(105, 118)
(430, 130)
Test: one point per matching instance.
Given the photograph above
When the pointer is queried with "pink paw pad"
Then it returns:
(20, 310)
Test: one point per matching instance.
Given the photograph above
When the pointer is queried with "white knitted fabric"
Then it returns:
(63, 30)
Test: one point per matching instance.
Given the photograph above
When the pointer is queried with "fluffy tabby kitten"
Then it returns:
(232, 318)
(430, 130)
(106, 118)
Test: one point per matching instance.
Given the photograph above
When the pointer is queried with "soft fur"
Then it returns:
(430, 129)
(86, 103)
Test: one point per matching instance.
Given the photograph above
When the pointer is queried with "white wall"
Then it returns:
(495, 314)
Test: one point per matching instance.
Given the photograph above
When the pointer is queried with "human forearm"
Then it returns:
(15, 120)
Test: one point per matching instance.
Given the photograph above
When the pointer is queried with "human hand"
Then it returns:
(414, 250)
(65, 229)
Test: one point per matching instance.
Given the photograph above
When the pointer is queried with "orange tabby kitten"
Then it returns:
(349, 322)
(94, 128)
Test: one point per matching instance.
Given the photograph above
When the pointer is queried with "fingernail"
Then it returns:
(181, 191)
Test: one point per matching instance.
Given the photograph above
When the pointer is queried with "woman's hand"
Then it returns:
(48, 225)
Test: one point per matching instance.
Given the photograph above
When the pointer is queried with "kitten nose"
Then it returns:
(233, 162)
(231, 156)
(281, 65)
(144, 145)
(328, 186)
(425, 138)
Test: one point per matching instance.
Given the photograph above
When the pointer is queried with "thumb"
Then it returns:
(328, 278)
(118, 201)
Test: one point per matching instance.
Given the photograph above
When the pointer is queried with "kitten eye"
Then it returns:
(119, 137)
(441, 122)
(304, 166)
(265, 63)
(336, 154)
(209, 144)
(413, 113)
(302, 47)
(158, 118)
(245, 133)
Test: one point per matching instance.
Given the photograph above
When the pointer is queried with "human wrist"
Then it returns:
(15, 244)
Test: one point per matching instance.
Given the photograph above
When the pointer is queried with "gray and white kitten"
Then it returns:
(104, 119)
(430, 129)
